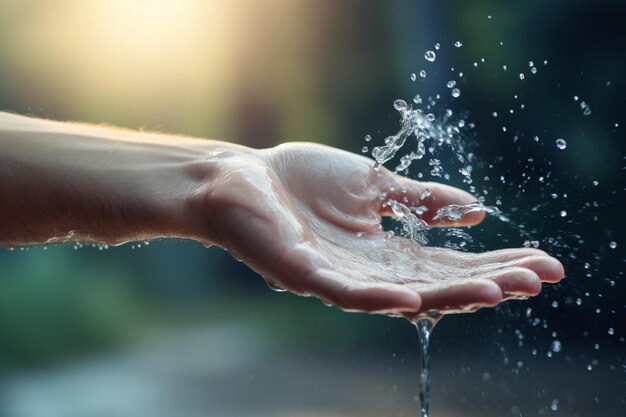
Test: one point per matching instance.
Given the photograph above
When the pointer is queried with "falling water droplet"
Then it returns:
(613, 245)
(556, 346)
(364, 149)
(368, 138)
(413, 76)
(521, 76)
(458, 44)
(456, 92)
(423, 73)
(451, 84)
(430, 56)
(437, 46)
(533, 70)
(563, 213)
(561, 144)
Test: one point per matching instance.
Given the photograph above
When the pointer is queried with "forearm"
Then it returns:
(67, 182)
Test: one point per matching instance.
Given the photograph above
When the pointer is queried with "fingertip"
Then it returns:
(380, 299)
(516, 282)
(490, 293)
(462, 296)
(547, 268)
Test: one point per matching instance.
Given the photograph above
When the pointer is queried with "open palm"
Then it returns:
(307, 218)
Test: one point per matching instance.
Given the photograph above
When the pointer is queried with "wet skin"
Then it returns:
(304, 216)
(307, 218)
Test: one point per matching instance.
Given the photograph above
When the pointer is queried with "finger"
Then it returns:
(516, 282)
(344, 292)
(547, 268)
(432, 196)
(462, 295)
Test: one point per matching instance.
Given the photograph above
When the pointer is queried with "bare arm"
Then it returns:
(68, 182)
(306, 217)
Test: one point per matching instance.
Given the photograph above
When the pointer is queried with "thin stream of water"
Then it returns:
(424, 328)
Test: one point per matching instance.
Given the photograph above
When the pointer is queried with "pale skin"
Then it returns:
(306, 217)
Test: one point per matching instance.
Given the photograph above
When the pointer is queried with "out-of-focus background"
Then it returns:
(171, 328)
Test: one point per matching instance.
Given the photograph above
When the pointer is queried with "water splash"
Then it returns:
(426, 129)
(456, 212)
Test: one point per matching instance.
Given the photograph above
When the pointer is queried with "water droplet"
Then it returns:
(533, 70)
(423, 73)
(488, 16)
(368, 138)
(504, 67)
(613, 245)
(561, 144)
(611, 331)
(521, 75)
(545, 62)
(430, 56)
(554, 405)
(531, 64)
(413, 76)
(458, 44)
(364, 149)
(563, 213)
(536, 138)
(456, 92)
(417, 99)
(400, 105)
(451, 84)
(556, 346)
(437, 46)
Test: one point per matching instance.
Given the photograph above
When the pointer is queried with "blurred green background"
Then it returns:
(172, 328)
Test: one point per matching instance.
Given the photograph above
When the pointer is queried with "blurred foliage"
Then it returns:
(262, 72)
(59, 305)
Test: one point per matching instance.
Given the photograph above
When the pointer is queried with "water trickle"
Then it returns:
(424, 329)
(455, 212)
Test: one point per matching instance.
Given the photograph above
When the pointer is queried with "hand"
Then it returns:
(307, 218)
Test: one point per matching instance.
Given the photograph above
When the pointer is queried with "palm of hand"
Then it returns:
(307, 218)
